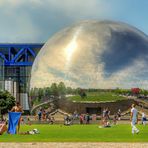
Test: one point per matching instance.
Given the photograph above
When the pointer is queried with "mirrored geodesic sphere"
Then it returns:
(94, 54)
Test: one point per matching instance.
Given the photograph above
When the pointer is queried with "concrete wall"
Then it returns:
(81, 107)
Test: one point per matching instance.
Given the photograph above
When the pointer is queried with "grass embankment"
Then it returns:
(79, 133)
(98, 97)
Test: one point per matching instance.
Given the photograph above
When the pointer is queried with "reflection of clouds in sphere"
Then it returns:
(94, 54)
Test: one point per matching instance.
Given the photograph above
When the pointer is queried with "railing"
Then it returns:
(44, 103)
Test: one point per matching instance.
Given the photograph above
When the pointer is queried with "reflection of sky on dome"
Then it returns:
(94, 54)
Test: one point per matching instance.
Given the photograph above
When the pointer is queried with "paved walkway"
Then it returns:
(73, 145)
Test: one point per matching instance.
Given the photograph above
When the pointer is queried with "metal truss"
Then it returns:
(18, 54)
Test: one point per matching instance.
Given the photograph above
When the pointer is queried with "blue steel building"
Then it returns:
(16, 62)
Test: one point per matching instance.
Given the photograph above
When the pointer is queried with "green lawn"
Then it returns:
(98, 96)
(79, 133)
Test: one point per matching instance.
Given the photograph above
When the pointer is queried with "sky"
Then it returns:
(33, 21)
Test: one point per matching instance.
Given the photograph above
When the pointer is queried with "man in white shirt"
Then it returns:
(134, 119)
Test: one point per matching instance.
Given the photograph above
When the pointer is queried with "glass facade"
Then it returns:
(15, 69)
(1, 73)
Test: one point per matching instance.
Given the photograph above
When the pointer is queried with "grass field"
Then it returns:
(79, 133)
(98, 96)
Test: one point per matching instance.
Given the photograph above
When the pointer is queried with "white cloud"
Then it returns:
(43, 18)
(82, 8)
(16, 24)
(36, 20)
(11, 3)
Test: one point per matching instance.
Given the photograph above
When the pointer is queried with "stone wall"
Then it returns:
(83, 107)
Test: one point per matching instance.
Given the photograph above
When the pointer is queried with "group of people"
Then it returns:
(83, 118)
(117, 116)
(45, 116)
(106, 117)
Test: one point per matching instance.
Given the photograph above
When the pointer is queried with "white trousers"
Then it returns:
(144, 122)
(134, 128)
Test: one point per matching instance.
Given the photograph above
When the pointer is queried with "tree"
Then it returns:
(7, 101)
(135, 91)
(34, 92)
(61, 88)
(47, 91)
(82, 93)
(69, 90)
(40, 93)
(54, 89)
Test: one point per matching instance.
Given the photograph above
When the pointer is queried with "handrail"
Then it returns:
(44, 103)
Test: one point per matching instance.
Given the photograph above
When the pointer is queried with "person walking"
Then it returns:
(119, 114)
(134, 119)
(81, 119)
(87, 118)
(40, 115)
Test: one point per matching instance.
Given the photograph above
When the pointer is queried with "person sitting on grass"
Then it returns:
(67, 120)
(105, 116)
(3, 127)
(105, 124)
(108, 124)
(105, 119)
(31, 132)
